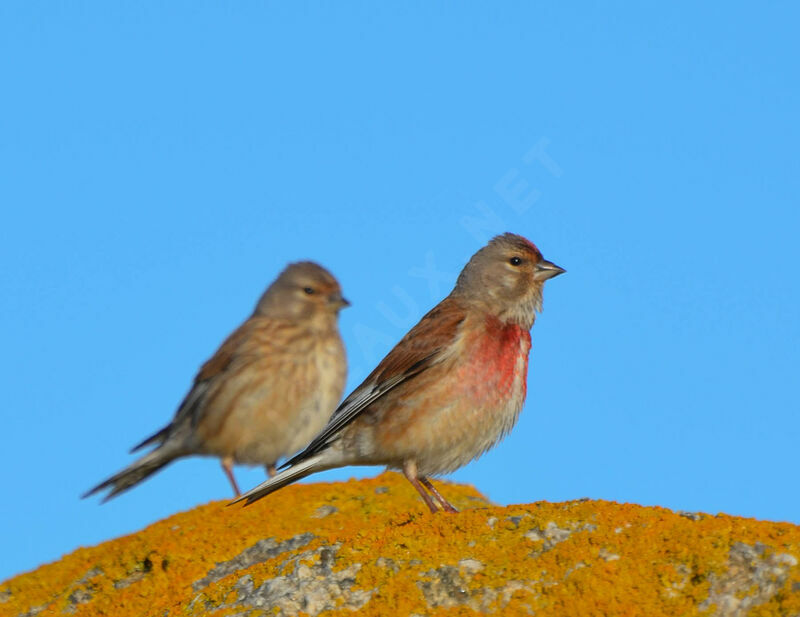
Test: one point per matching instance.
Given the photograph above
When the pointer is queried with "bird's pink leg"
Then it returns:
(446, 505)
(410, 472)
(227, 467)
(271, 471)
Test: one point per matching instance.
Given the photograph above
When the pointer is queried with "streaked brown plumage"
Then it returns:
(451, 388)
(267, 391)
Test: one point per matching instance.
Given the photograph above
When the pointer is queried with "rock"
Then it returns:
(370, 547)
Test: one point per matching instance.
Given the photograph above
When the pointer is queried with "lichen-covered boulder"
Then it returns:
(371, 547)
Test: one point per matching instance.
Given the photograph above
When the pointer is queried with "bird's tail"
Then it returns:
(159, 436)
(297, 472)
(135, 472)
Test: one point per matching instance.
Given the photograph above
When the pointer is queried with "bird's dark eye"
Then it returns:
(515, 261)
(308, 290)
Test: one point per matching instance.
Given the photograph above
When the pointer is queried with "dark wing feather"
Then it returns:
(191, 408)
(422, 347)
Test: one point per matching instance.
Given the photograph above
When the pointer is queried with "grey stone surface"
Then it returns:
(261, 551)
(452, 586)
(84, 590)
(552, 534)
(754, 576)
(306, 589)
(324, 511)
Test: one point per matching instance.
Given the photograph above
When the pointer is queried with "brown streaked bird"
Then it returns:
(266, 392)
(450, 389)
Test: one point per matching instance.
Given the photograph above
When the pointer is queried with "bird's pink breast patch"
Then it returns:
(500, 355)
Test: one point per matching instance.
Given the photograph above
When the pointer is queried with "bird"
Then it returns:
(267, 391)
(450, 389)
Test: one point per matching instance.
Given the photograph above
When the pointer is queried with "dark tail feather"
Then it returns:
(134, 473)
(158, 436)
(285, 477)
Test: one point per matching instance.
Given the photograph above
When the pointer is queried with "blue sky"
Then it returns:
(160, 164)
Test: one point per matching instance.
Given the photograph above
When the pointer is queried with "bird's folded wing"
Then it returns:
(214, 367)
(426, 344)
(251, 341)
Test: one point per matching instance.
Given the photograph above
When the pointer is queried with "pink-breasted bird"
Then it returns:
(450, 389)
(267, 391)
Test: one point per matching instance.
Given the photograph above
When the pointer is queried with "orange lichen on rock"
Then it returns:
(371, 546)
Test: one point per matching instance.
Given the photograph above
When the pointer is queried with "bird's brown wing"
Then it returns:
(191, 408)
(423, 346)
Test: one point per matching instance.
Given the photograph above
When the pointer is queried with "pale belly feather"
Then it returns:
(269, 420)
(452, 414)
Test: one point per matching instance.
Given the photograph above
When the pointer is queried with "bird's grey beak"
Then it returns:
(340, 301)
(546, 270)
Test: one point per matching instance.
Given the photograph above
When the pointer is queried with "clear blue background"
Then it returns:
(159, 165)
